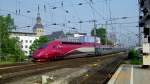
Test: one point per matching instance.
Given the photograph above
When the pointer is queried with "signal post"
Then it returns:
(144, 23)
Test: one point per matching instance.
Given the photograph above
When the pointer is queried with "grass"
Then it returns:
(7, 62)
(135, 62)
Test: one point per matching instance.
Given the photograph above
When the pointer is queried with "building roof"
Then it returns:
(38, 26)
(23, 33)
(56, 34)
(81, 33)
(38, 22)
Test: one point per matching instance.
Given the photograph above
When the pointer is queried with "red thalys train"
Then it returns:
(64, 49)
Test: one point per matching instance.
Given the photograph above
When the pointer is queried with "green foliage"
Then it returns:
(38, 42)
(7, 62)
(133, 55)
(136, 61)
(42, 40)
(109, 42)
(19, 54)
(9, 47)
(68, 33)
(51, 39)
(102, 33)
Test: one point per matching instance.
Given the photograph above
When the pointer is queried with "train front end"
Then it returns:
(43, 54)
(46, 52)
(40, 54)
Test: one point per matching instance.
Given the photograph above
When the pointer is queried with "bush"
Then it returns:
(136, 61)
(133, 55)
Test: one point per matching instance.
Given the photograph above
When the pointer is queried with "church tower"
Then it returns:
(38, 27)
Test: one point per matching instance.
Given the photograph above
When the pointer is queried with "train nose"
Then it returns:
(51, 53)
(44, 54)
(38, 54)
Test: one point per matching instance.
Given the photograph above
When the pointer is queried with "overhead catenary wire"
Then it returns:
(86, 21)
(94, 10)
(75, 5)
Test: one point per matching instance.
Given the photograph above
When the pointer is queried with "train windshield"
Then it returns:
(43, 46)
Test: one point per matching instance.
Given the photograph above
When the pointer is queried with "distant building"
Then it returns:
(79, 34)
(38, 27)
(56, 35)
(14, 34)
(26, 39)
(76, 34)
(112, 37)
(26, 42)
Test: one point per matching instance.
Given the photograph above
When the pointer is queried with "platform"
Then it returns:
(131, 74)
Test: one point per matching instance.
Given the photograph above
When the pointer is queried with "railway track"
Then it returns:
(9, 65)
(13, 73)
(102, 74)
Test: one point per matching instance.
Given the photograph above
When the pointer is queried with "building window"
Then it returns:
(26, 46)
(21, 46)
(21, 41)
(30, 41)
(26, 52)
(26, 41)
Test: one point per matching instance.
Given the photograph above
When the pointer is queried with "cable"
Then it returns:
(95, 10)
(120, 23)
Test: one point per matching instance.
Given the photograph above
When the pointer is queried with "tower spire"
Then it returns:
(38, 14)
(38, 19)
(38, 27)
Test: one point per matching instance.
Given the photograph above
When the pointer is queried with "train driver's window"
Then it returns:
(43, 46)
(54, 46)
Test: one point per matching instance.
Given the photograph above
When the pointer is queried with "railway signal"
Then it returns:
(144, 22)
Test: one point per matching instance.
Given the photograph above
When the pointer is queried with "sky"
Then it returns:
(68, 13)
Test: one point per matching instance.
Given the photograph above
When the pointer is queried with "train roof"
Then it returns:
(80, 39)
(69, 39)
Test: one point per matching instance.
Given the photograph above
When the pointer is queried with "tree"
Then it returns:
(9, 46)
(15, 50)
(102, 33)
(38, 42)
(109, 42)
